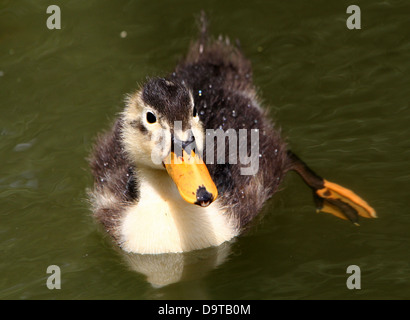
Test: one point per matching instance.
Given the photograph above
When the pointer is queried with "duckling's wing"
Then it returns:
(114, 181)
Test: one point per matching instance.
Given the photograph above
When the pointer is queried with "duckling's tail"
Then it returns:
(203, 29)
(330, 197)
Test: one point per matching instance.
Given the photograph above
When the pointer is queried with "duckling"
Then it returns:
(157, 186)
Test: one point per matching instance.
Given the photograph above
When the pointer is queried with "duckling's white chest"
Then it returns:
(163, 222)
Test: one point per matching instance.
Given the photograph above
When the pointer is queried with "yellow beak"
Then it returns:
(192, 178)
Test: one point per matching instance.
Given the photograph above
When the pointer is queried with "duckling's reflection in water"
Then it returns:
(168, 268)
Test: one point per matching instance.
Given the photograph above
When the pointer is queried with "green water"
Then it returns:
(340, 96)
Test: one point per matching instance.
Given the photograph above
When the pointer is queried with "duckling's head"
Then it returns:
(161, 125)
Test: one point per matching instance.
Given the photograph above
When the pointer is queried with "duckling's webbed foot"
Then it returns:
(335, 200)
(331, 197)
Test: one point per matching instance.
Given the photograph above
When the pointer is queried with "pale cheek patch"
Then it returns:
(147, 144)
(160, 145)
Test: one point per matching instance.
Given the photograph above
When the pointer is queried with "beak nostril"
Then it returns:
(188, 142)
(187, 145)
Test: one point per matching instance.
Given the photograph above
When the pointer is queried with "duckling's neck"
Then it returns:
(161, 221)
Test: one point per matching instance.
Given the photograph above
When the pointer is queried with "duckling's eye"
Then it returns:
(195, 111)
(151, 118)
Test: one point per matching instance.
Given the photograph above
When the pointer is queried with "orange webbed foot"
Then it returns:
(342, 203)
